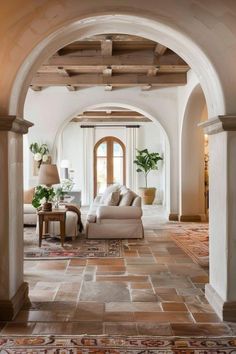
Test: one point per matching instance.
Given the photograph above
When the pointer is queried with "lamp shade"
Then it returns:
(65, 164)
(48, 175)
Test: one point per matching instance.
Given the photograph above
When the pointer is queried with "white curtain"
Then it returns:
(131, 145)
(88, 145)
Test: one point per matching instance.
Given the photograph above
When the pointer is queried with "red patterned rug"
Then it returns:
(195, 242)
(79, 248)
(115, 345)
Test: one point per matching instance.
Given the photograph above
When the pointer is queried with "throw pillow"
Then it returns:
(127, 198)
(108, 191)
(113, 199)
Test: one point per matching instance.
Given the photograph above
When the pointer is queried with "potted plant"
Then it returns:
(43, 196)
(40, 153)
(147, 162)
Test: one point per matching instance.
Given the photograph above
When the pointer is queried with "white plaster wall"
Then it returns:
(150, 136)
(52, 108)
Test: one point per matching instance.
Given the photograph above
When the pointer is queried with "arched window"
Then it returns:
(109, 163)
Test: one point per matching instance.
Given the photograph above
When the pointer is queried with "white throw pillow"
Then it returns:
(108, 191)
(112, 199)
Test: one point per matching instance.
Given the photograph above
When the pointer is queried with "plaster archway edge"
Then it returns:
(169, 154)
(126, 24)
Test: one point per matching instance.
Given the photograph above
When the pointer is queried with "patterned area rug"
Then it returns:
(115, 345)
(195, 242)
(80, 248)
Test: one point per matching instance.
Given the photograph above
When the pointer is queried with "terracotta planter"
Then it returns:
(147, 195)
(47, 206)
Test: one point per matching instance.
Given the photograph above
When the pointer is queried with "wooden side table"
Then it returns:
(54, 215)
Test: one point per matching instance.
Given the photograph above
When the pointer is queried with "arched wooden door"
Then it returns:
(109, 163)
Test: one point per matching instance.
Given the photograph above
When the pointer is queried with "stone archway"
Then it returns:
(200, 56)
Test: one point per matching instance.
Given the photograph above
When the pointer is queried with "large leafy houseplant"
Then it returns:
(43, 195)
(146, 162)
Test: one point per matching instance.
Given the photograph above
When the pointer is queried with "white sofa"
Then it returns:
(121, 221)
(30, 215)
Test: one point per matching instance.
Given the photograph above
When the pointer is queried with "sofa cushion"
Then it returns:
(108, 191)
(29, 209)
(112, 199)
(127, 198)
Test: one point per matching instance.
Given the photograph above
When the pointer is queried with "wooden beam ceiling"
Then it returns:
(112, 61)
(110, 117)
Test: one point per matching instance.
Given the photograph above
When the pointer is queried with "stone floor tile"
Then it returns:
(204, 279)
(198, 308)
(128, 329)
(52, 328)
(104, 292)
(118, 316)
(55, 265)
(174, 306)
(122, 278)
(140, 295)
(188, 291)
(195, 329)
(87, 327)
(133, 306)
(206, 317)
(12, 328)
(41, 316)
(146, 269)
(130, 253)
(75, 262)
(141, 285)
(140, 260)
(175, 317)
(106, 261)
(89, 311)
(154, 329)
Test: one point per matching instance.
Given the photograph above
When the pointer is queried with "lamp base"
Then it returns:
(47, 206)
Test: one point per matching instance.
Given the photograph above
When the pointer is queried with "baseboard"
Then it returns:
(173, 217)
(189, 218)
(226, 310)
(10, 308)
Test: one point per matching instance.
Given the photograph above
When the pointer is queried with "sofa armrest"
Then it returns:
(118, 212)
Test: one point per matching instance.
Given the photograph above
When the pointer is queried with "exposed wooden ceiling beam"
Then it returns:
(146, 87)
(173, 79)
(160, 49)
(35, 88)
(106, 47)
(110, 114)
(110, 120)
(73, 62)
(153, 71)
(108, 88)
(107, 71)
(62, 71)
(71, 87)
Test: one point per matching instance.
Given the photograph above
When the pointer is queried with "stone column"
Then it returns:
(221, 290)
(13, 290)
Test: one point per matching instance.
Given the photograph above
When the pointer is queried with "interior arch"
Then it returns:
(127, 24)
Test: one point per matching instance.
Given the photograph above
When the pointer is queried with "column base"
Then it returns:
(189, 218)
(10, 308)
(226, 310)
(173, 217)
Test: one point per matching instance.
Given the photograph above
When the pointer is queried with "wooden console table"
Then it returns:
(54, 215)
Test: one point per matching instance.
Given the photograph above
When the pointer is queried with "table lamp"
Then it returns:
(48, 175)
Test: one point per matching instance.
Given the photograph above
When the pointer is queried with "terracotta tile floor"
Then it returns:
(155, 289)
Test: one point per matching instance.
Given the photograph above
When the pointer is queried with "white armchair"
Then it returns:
(120, 221)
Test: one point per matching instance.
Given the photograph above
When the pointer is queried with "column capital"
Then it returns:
(219, 124)
(14, 124)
